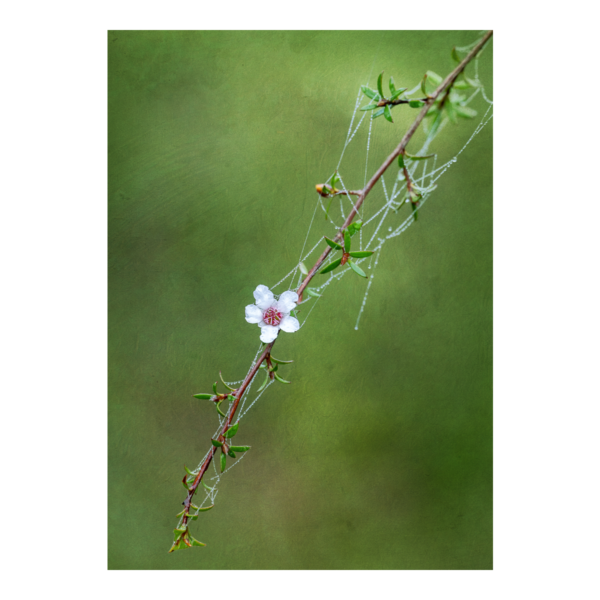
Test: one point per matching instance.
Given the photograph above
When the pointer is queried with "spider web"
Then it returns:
(382, 204)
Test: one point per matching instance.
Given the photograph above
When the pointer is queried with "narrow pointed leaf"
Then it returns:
(378, 113)
(357, 269)
(223, 461)
(303, 269)
(231, 453)
(231, 431)
(331, 266)
(210, 489)
(423, 84)
(392, 86)
(218, 405)
(187, 470)
(204, 396)
(387, 113)
(215, 388)
(333, 244)
(280, 379)
(216, 443)
(240, 448)
(416, 103)
(451, 112)
(180, 514)
(398, 93)
(415, 211)
(205, 508)
(312, 293)
(380, 84)
(361, 254)
(369, 107)
(466, 112)
(264, 385)
(281, 362)
(367, 91)
(414, 157)
(195, 542)
(193, 517)
(473, 82)
(434, 78)
(185, 485)
(401, 161)
(228, 387)
(455, 55)
(347, 240)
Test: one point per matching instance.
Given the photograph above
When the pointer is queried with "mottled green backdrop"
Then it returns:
(379, 455)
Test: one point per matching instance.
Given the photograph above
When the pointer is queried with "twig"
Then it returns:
(237, 394)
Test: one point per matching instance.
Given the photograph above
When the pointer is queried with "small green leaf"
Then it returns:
(461, 85)
(416, 103)
(216, 443)
(473, 82)
(187, 470)
(180, 514)
(414, 157)
(392, 86)
(378, 113)
(367, 91)
(215, 388)
(264, 385)
(240, 448)
(347, 240)
(185, 484)
(281, 362)
(369, 107)
(398, 93)
(231, 453)
(455, 55)
(280, 379)
(414, 209)
(218, 405)
(195, 542)
(303, 269)
(333, 244)
(434, 78)
(435, 124)
(204, 396)
(232, 431)
(466, 112)
(223, 461)
(331, 266)
(387, 113)
(312, 293)
(357, 269)
(423, 85)
(205, 508)
(361, 254)
(177, 533)
(193, 517)
(354, 227)
(228, 387)
(401, 161)
(451, 112)
(210, 489)
(379, 84)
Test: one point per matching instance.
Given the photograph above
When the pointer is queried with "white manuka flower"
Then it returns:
(271, 314)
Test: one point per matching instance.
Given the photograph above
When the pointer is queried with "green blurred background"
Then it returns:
(379, 455)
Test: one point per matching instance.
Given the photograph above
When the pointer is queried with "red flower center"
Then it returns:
(272, 316)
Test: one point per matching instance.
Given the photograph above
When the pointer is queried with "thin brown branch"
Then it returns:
(238, 394)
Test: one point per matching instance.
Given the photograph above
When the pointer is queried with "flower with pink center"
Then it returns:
(271, 314)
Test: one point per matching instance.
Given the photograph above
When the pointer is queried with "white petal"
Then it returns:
(287, 302)
(253, 314)
(268, 333)
(289, 324)
(264, 297)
